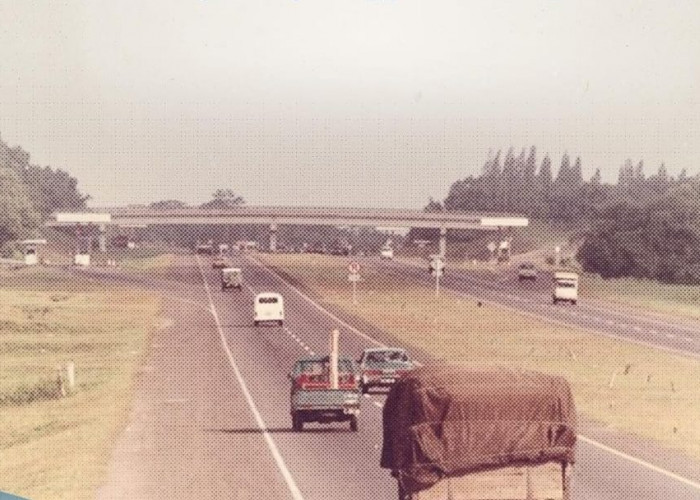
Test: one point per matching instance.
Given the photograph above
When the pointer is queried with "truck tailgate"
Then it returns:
(324, 398)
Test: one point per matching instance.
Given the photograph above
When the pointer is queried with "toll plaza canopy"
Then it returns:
(448, 421)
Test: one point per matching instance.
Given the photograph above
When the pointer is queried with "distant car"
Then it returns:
(231, 277)
(382, 367)
(386, 253)
(268, 307)
(219, 262)
(527, 271)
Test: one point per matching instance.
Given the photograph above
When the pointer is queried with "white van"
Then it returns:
(268, 307)
(565, 287)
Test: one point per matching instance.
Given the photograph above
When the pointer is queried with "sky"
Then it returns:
(361, 103)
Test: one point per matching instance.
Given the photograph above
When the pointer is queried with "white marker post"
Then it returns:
(333, 359)
(437, 265)
(354, 277)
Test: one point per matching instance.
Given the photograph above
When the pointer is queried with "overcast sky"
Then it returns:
(379, 103)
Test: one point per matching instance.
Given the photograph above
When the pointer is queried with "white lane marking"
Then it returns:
(641, 462)
(622, 325)
(609, 322)
(291, 484)
(317, 306)
(637, 328)
(581, 437)
(322, 309)
(670, 336)
(653, 332)
(688, 339)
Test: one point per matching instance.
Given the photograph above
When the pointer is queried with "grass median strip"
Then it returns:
(628, 387)
(55, 446)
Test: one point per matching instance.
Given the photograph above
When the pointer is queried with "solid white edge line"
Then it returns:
(291, 484)
(585, 439)
(641, 462)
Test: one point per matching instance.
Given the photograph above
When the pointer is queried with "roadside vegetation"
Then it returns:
(51, 445)
(628, 387)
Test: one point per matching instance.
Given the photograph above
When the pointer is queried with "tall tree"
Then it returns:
(224, 198)
(18, 218)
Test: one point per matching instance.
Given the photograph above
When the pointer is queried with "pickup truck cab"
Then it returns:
(313, 400)
(383, 367)
(268, 307)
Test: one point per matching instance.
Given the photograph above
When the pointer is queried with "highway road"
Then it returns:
(211, 417)
(535, 298)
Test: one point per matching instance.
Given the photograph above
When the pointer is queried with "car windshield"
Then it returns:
(386, 357)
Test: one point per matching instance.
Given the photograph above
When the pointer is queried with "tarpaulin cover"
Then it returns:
(447, 421)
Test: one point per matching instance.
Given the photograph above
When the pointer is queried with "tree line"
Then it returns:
(646, 226)
(30, 193)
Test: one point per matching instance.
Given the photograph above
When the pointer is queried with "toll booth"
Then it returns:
(31, 251)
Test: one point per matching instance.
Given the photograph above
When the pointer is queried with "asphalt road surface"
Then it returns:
(674, 334)
(211, 412)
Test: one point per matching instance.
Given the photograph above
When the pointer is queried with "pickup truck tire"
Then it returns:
(365, 389)
(573, 302)
(353, 423)
(280, 323)
(255, 323)
(297, 422)
(554, 301)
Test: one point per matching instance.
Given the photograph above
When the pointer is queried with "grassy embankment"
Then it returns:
(59, 447)
(626, 386)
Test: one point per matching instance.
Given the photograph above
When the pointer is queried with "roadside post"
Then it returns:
(437, 266)
(333, 359)
(557, 256)
(353, 278)
(492, 248)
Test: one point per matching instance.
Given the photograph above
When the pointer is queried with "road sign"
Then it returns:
(491, 246)
(354, 267)
(437, 264)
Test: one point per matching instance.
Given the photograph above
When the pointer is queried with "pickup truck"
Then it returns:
(565, 287)
(313, 400)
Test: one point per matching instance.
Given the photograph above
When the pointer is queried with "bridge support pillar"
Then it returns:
(102, 238)
(273, 238)
(442, 243)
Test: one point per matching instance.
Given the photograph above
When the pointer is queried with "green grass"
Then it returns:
(53, 446)
(682, 300)
(625, 386)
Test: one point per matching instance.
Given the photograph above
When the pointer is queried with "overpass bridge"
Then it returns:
(273, 217)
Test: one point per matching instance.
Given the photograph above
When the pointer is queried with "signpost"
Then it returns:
(437, 266)
(354, 277)
(492, 248)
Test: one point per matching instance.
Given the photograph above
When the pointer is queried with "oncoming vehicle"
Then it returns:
(312, 397)
(565, 287)
(527, 271)
(269, 307)
(231, 277)
(219, 262)
(382, 367)
(386, 252)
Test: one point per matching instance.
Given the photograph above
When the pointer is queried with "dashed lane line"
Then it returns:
(274, 451)
(585, 439)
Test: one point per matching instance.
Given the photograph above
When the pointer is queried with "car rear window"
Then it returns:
(268, 300)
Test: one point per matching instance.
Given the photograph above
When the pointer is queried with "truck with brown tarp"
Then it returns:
(467, 433)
